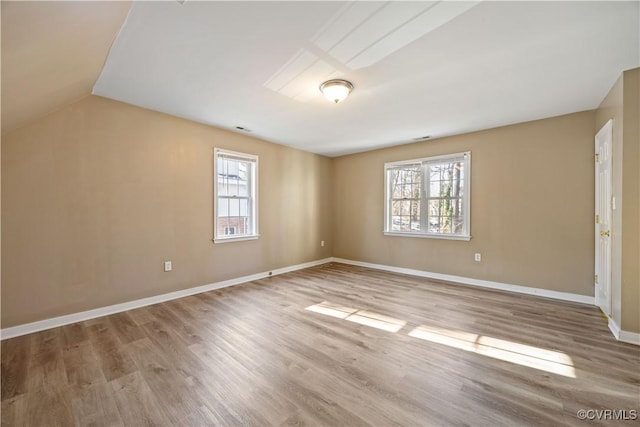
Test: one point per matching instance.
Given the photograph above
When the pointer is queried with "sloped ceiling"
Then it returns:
(53, 53)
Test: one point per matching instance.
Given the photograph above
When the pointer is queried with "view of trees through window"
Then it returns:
(405, 206)
(428, 197)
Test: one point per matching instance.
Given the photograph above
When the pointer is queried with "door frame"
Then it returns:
(602, 279)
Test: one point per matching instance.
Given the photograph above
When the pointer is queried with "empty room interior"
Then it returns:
(320, 213)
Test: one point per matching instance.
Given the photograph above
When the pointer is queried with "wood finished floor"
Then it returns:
(254, 355)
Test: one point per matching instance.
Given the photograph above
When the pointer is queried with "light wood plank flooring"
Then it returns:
(333, 345)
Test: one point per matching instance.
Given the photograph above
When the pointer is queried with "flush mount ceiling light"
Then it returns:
(336, 90)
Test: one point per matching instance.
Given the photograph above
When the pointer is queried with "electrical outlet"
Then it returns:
(168, 266)
(321, 242)
(478, 257)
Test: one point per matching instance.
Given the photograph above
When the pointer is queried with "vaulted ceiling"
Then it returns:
(419, 68)
(52, 54)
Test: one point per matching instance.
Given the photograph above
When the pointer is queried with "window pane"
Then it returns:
(222, 177)
(233, 177)
(234, 191)
(401, 207)
(234, 207)
(443, 198)
(434, 208)
(439, 224)
(400, 223)
(244, 207)
(405, 215)
(435, 173)
(397, 192)
(234, 185)
(445, 224)
(223, 208)
(458, 224)
(415, 215)
(243, 179)
(456, 207)
(434, 189)
(405, 183)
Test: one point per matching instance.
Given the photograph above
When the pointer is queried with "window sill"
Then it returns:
(428, 236)
(235, 239)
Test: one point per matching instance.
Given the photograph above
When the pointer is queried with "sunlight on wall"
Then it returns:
(542, 359)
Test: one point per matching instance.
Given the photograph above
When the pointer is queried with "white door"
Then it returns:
(604, 139)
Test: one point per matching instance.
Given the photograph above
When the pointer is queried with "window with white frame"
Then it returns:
(235, 199)
(428, 197)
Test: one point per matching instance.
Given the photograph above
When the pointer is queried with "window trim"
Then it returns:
(254, 197)
(466, 198)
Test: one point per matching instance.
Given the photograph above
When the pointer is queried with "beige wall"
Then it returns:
(531, 207)
(631, 202)
(52, 53)
(97, 195)
(622, 104)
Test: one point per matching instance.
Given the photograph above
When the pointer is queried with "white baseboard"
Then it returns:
(629, 337)
(614, 328)
(584, 299)
(623, 336)
(41, 325)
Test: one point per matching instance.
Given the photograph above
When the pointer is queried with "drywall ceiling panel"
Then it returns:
(419, 68)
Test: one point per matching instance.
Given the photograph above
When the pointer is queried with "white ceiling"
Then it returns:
(419, 68)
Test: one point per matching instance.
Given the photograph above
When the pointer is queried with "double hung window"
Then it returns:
(428, 197)
(236, 215)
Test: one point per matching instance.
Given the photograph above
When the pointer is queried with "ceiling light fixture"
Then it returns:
(336, 90)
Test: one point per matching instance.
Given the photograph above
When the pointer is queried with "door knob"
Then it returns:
(605, 233)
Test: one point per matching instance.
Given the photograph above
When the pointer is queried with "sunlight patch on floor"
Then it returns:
(376, 320)
(520, 354)
(332, 310)
(362, 317)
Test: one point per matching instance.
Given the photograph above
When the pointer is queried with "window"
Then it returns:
(235, 202)
(428, 197)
